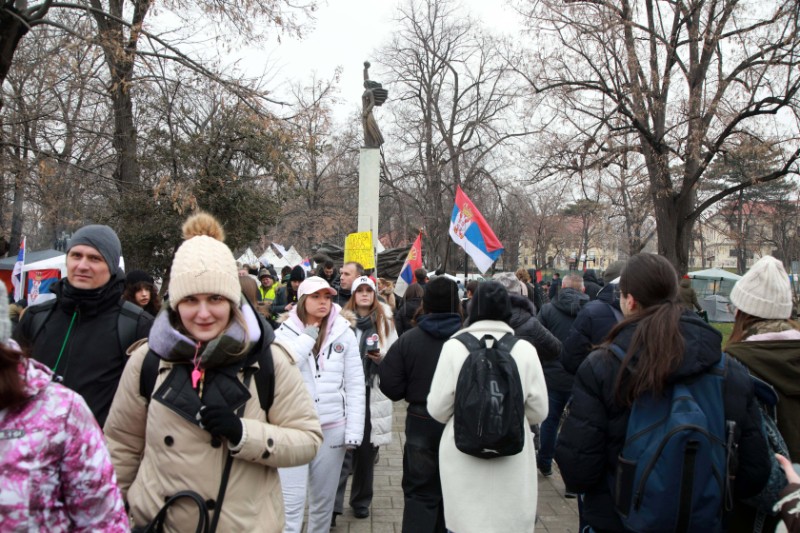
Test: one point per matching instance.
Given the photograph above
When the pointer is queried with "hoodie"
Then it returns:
(557, 317)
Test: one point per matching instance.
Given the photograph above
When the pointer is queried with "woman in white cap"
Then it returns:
(325, 345)
(55, 473)
(375, 333)
(206, 424)
(767, 342)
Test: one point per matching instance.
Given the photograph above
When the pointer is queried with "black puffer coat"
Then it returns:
(590, 284)
(590, 328)
(558, 317)
(404, 315)
(523, 320)
(592, 436)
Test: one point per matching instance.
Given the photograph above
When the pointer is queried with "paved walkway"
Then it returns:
(556, 513)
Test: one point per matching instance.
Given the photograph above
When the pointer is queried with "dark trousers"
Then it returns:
(557, 401)
(361, 462)
(422, 487)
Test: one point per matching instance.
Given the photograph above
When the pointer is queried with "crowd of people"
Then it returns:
(247, 400)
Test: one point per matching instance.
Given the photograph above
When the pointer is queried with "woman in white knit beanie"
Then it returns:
(767, 342)
(202, 416)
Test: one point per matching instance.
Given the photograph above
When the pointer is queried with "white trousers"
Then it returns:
(319, 479)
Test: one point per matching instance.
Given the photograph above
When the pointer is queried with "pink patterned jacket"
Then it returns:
(55, 472)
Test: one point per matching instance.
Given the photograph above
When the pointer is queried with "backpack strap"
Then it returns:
(128, 324)
(148, 375)
(40, 313)
(470, 341)
(265, 380)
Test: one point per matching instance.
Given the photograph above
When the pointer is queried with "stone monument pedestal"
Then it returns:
(369, 171)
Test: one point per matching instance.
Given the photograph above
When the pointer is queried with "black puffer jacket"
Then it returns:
(523, 320)
(558, 317)
(92, 360)
(407, 370)
(593, 435)
(590, 328)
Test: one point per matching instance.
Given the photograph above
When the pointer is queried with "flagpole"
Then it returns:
(466, 258)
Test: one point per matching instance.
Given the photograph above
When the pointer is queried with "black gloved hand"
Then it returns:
(221, 420)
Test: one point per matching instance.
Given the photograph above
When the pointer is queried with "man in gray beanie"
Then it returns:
(83, 334)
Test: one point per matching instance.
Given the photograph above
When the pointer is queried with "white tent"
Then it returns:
(248, 258)
(718, 307)
(58, 262)
(271, 258)
(292, 257)
(713, 280)
(714, 274)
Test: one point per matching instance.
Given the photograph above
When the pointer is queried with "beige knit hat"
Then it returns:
(203, 264)
(765, 291)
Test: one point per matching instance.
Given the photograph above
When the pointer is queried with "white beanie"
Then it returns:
(203, 264)
(765, 291)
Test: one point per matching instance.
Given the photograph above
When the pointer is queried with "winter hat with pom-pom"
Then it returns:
(203, 264)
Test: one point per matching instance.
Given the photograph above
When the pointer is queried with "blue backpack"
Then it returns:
(672, 473)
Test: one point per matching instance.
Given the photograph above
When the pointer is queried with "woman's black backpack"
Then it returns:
(489, 410)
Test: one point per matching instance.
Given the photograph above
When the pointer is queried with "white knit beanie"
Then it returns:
(765, 291)
(203, 264)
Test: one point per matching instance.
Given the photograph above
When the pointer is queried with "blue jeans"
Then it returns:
(557, 401)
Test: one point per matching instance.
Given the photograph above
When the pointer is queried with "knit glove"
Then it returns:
(312, 331)
(221, 420)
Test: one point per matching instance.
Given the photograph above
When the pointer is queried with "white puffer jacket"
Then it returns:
(380, 407)
(335, 378)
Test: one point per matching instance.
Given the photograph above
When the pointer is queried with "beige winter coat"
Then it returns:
(156, 453)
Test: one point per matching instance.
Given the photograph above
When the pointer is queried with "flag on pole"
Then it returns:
(470, 231)
(16, 274)
(413, 262)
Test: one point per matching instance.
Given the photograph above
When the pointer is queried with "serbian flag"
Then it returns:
(17, 274)
(39, 283)
(470, 231)
(413, 262)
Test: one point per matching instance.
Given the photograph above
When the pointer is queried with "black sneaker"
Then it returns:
(333, 518)
(546, 472)
(361, 512)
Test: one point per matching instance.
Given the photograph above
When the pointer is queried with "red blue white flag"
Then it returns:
(39, 283)
(17, 274)
(470, 231)
(413, 262)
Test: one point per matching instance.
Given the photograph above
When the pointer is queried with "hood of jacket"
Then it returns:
(590, 276)
(773, 357)
(702, 346)
(606, 294)
(569, 301)
(522, 310)
(37, 376)
(440, 325)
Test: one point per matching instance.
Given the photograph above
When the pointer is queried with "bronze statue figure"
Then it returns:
(374, 95)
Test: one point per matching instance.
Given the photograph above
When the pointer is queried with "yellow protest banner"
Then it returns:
(358, 249)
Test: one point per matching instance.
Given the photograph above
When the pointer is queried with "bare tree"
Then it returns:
(453, 105)
(686, 79)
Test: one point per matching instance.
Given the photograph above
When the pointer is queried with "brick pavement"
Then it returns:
(556, 514)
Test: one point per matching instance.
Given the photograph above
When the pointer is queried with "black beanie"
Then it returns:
(441, 296)
(490, 302)
(135, 276)
(298, 274)
(104, 240)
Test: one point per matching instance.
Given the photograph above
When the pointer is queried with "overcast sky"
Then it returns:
(346, 33)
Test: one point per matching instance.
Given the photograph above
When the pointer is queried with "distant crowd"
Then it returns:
(245, 400)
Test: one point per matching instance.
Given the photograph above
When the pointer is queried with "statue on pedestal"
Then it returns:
(374, 95)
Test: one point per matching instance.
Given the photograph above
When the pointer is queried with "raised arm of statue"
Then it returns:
(374, 95)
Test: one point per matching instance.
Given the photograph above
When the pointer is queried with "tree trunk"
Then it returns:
(12, 29)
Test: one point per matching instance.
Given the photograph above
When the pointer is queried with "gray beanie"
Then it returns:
(613, 271)
(509, 281)
(104, 240)
(5, 320)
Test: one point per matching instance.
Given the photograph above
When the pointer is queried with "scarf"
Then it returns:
(366, 324)
(231, 346)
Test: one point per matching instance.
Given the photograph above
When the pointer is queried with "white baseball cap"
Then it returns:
(314, 284)
(363, 280)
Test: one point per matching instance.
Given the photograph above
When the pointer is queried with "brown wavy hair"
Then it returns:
(383, 324)
(12, 384)
(653, 282)
(153, 306)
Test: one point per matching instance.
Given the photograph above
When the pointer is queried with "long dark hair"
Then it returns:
(653, 282)
(153, 306)
(12, 384)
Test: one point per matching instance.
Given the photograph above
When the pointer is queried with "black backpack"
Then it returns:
(127, 322)
(489, 410)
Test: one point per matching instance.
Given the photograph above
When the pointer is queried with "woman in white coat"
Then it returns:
(375, 333)
(487, 495)
(329, 360)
